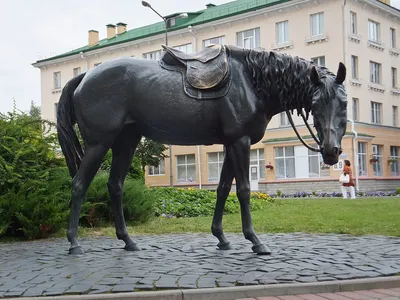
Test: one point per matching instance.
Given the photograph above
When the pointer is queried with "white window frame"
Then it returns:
(353, 22)
(186, 164)
(394, 77)
(317, 24)
(362, 158)
(394, 166)
(354, 67)
(219, 163)
(219, 40)
(283, 119)
(282, 32)
(152, 55)
(285, 158)
(395, 115)
(376, 112)
(319, 60)
(57, 80)
(76, 71)
(375, 72)
(377, 166)
(355, 104)
(157, 171)
(248, 39)
(393, 38)
(374, 34)
(259, 160)
(186, 48)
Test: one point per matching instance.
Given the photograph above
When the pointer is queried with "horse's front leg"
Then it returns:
(224, 187)
(240, 155)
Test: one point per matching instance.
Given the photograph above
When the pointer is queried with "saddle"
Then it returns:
(205, 73)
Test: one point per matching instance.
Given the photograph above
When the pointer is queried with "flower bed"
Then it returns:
(392, 193)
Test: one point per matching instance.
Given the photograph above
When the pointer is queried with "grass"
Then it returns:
(378, 216)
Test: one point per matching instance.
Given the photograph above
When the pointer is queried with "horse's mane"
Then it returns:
(285, 76)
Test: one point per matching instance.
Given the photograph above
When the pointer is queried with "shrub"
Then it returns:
(178, 202)
(398, 191)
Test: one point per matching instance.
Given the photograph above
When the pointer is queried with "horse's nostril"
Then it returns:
(340, 151)
(335, 151)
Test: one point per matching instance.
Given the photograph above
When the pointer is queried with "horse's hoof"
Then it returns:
(261, 249)
(132, 247)
(225, 246)
(76, 250)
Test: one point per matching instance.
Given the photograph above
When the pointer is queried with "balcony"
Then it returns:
(376, 87)
(316, 39)
(282, 46)
(354, 37)
(395, 91)
(376, 45)
(394, 51)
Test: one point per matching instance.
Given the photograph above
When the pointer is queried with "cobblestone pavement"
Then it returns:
(190, 261)
(383, 294)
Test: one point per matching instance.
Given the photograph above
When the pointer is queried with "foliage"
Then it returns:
(150, 152)
(315, 194)
(27, 150)
(135, 171)
(178, 202)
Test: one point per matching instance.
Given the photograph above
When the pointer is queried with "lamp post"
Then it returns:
(183, 15)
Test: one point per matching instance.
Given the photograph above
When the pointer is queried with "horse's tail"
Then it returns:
(67, 137)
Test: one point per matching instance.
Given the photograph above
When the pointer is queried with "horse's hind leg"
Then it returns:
(90, 164)
(122, 153)
(224, 187)
(239, 153)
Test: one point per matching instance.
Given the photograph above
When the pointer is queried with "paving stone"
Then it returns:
(123, 288)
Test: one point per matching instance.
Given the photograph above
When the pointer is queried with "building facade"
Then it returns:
(363, 34)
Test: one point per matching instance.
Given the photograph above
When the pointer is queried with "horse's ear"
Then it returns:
(341, 74)
(314, 76)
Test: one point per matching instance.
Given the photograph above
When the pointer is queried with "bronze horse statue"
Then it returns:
(221, 95)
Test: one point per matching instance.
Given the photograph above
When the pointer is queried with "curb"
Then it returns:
(231, 293)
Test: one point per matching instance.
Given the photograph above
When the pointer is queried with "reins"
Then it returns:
(309, 129)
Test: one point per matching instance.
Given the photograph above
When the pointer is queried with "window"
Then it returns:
(55, 110)
(217, 41)
(282, 32)
(159, 170)
(395, 116)
(187, 48)
(283, 119)
(320, 60)
(316, 166)
(377, 165)
(394, 160)
(317, 24)
(97, 64)
(374, 31)
(285, 162)
(215, 162)
(375, 72)
(354, 67)
(355, 109)
(57, 80)
(249, 39)
(186, 167)
(392, 38)
(376, 112)
(394, 77)
(257, 159)
(362, 158)
(154, 55)
(77, 71)
(353, 22)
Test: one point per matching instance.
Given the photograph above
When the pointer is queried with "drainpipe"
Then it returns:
(198, 146)
(85, 59)
(355, 151)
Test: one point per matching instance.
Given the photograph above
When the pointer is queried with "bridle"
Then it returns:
(309, 129)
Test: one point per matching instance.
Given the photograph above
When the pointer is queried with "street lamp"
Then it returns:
(183, 16)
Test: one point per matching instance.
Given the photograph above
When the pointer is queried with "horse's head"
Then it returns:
(329, 108)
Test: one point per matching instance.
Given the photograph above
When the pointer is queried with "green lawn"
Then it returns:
(325, 215)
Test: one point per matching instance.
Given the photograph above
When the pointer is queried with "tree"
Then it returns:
(150, 152)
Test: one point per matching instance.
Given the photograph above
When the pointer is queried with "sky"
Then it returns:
(33, 30)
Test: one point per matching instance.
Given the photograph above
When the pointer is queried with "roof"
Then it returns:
(212, 13)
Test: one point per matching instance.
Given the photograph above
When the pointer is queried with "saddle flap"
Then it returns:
(203, 56)
(206, 76)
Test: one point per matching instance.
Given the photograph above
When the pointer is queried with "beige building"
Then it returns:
(364, 34)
